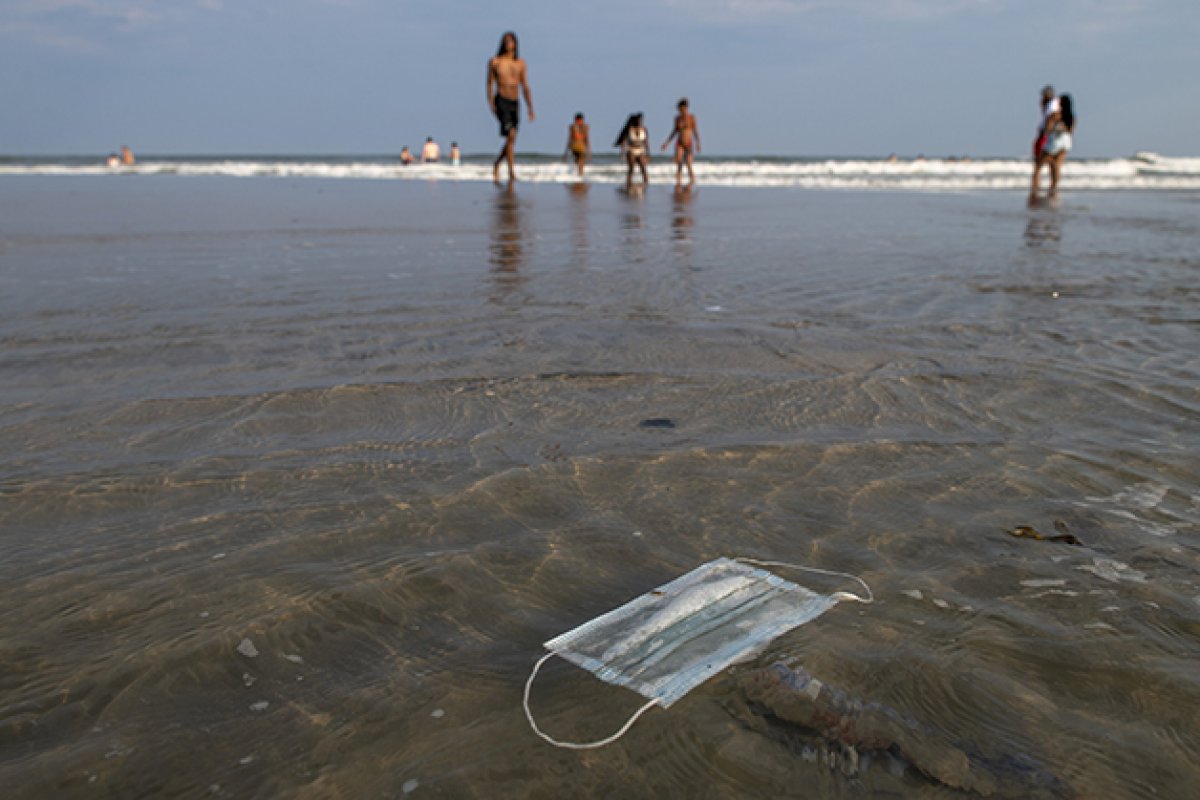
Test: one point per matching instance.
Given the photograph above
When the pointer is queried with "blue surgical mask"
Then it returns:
(668, 641)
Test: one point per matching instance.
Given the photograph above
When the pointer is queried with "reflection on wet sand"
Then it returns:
(578, 196)
(1043, 230)
(633, 223)
(682, 220)
(506, 250)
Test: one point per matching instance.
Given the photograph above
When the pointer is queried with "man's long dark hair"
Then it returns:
(516, 44)
(1068, 113)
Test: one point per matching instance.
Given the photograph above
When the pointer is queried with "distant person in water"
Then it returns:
(406, 157)
(687, 142)
(127, 156)
(455, 155)
(1050, 112)
(507, 80)
(430, 153)
(579, 143)
(113, 161)
(634, 141)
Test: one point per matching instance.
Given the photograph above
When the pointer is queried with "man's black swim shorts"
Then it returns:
(507, 113)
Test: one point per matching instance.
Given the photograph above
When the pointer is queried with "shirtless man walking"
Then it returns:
(687, 144)
(507, 77)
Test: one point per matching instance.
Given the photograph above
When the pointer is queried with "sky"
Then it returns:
(765, 77)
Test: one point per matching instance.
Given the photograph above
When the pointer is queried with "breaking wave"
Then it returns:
(1145, 171)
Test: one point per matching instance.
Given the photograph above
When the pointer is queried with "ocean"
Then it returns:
(1141, 171)
(302, 460)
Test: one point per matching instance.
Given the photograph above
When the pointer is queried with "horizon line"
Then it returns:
(553, 154)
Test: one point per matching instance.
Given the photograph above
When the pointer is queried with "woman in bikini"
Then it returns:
(579, 144)
(687, 137)
(1058, 141)
(635, 141)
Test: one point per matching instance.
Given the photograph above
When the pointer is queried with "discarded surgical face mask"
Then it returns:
(668, 641)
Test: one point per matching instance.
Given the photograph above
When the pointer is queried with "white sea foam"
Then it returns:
(1144, 172)
(1137, 502)
(1113, 571)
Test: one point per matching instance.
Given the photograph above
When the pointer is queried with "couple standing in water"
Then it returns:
(508, 79)
(634, 142)
(1053, 141)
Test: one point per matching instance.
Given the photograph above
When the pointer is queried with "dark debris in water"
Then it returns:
(657, 422)
(1063, 535)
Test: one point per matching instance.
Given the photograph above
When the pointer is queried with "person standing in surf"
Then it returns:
(1050, 112)
(508, 78)
(634, 142)
(1058, 141)
(579, 143)
(687, 142)
(430, 153)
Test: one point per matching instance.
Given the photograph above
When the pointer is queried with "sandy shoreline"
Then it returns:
(390, 433)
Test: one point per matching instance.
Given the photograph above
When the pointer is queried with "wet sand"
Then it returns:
(297, 476)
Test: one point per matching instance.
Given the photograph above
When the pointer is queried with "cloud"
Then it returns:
(1107, 12)
(125, 14)
(47, 36)
(91, 26)
(759, 10)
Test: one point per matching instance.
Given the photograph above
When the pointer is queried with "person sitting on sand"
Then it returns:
(430, 153)
(579, 143)
(406, 157)
(687, 143)
(634, 141)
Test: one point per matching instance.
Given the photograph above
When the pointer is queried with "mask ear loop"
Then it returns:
(870, 598)
(576, 745)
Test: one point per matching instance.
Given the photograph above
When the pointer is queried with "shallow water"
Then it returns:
(297, 476)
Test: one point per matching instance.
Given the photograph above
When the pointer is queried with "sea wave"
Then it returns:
(1145, 171)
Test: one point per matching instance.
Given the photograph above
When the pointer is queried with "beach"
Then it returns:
(298, 471)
